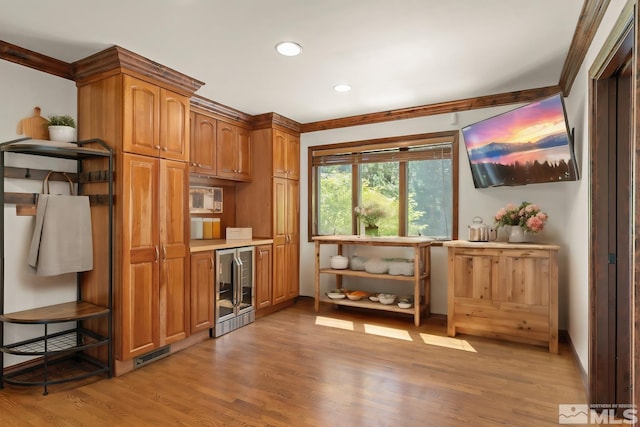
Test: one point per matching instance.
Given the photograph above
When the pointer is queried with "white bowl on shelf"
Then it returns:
(336, 295)
(357, 263)
(386, 299)
(339, 262)
(404, 304)
(376, 266)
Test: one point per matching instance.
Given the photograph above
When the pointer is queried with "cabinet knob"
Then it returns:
(165, 149)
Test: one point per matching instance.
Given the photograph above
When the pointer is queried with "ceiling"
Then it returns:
(395, 54)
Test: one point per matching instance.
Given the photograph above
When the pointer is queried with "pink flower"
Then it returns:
(542, 216)
(535, 224)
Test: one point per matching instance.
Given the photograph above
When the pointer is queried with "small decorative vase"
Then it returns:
(517, 234)
(371, 230)
(62, 133)
(362, 228)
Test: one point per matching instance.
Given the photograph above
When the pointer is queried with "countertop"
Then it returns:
(382, 240)
(499, 245)
(212, 245)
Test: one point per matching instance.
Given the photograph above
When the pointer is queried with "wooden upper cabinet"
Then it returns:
(174, 130)
(203, 145)
(233, 152)
(155, 121)
(286, 155)
(141, 126)
(244, 155)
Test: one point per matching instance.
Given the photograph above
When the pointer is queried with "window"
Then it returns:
(412, 180)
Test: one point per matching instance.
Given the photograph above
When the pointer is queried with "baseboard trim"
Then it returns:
(583, 374)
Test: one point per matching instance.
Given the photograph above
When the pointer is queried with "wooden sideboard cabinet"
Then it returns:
(504, 290)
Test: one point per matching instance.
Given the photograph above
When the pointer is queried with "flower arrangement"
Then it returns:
(527, 215)
(369, 214)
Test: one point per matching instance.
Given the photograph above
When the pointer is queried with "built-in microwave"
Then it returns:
(205, 199)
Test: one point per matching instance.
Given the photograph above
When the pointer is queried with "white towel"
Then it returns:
(62, 241)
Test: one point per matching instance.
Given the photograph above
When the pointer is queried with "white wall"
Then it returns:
(566, 203)
(22, 89)
(472, 202)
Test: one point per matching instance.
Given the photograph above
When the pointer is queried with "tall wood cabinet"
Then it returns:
(276, 190)
(141, 110)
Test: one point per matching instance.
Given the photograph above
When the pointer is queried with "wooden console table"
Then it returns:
(420, 277)
(504, 290)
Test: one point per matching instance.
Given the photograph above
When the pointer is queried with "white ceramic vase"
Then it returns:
(517, 234)
(62, 133)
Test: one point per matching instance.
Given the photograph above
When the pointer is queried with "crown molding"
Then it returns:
(120, 59)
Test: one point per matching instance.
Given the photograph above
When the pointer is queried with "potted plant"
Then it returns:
(62, 128)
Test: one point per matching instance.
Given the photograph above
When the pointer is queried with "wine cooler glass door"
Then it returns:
(225, 285)
(245, 281)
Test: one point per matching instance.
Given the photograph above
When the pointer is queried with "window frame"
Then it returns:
(407, 141)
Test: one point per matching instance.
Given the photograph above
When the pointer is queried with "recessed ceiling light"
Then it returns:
(289, 48)
(342, 88)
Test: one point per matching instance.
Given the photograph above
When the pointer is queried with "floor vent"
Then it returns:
(150, 357)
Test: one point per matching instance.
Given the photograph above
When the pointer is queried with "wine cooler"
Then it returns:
(235, 295)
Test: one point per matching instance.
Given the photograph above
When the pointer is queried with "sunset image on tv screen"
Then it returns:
(530, 144)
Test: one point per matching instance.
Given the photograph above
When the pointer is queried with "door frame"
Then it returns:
(623, 38)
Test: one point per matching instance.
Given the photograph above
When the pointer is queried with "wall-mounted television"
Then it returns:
(528, 145)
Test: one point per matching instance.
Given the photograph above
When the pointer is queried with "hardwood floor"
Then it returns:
(338, 368)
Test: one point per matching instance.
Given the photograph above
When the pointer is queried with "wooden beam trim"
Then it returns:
(432, 109)
(35, 60)
(590, 17)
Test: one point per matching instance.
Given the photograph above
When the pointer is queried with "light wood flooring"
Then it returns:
(339, 367)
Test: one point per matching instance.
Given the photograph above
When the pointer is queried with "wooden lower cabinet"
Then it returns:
(202, 290)
(504, 290)
(152, 296)
(264, 276)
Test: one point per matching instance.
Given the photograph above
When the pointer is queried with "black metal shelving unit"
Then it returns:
(61, 356)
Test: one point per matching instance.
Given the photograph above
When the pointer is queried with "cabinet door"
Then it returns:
(524, 278)
(203, 144)
(279, 240)
(202, 276)
(174, 309)
(475, 276)
(286, 155)
(293, 238)
(141, 123)
(279, 154)
(138, 298)
(293, 157)
(244, 155)
(174, 130)
(226, 150)
(264, 269)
